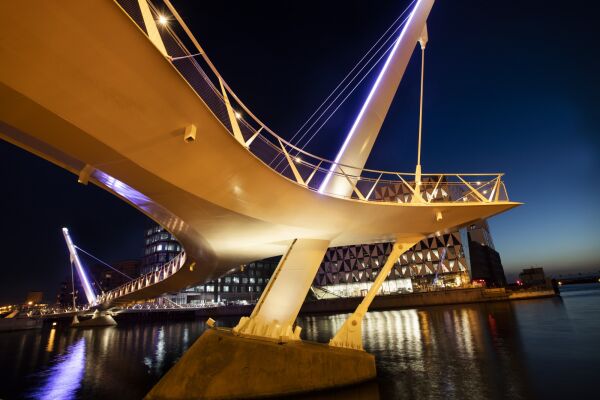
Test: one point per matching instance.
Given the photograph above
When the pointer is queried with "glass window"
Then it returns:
(227, 279)
(159, 247)
(252, 280)
(260, 280)
(236, 279)
(249, 288)
(226, 288)
(244, 280)
(210, 288)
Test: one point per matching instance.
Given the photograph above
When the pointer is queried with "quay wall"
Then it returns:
(339, 305)
(411, 300)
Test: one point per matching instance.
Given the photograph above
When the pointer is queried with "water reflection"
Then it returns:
(64, 378)
(466, 352)
(527, 349)
(50, 345)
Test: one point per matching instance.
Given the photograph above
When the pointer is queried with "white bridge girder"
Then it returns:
(358, 144)
(275, 313)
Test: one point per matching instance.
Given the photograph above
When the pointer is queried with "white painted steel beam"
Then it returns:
(276, 311)
(358, 144)
(350, 334)
(85, 282)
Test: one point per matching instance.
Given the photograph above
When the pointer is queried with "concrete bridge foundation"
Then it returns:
(221, 365)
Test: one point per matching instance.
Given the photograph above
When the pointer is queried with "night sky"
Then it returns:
(511, 86)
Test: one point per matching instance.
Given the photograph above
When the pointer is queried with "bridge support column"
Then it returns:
(350, 334)
(274, 315)
(263, 356)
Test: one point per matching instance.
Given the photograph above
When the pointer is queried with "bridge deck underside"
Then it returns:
(97, 92)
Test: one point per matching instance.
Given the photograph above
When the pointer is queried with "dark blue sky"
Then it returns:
(510, 87)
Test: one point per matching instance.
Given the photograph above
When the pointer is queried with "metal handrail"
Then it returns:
(161, 273)
(302, 167)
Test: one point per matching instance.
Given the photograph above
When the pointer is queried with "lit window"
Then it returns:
(252, 280)
(236, 279)
(227, 279)
(159, 247)
(226, 288)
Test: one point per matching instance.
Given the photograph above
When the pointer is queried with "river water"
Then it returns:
(530, 349)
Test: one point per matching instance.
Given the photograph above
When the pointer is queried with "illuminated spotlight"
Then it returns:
(478, 183)
(162, 20)
(238, 115)
(54, 324)
(485, 192)
(298, 159)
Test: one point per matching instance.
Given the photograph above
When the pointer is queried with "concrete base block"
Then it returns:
(220, 365)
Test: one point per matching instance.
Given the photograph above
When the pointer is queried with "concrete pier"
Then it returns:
(220, 365)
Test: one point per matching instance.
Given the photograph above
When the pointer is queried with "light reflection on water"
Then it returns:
(64, 378)
(521, 350)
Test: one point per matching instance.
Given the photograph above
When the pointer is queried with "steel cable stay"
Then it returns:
(103, 263)
(378, 47)
(341, 103)
(357, 65)
(270, 145)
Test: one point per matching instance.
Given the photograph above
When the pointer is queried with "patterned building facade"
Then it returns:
(438, 261)
(434, 262)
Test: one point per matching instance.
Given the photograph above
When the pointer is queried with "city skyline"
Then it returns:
(538, 124)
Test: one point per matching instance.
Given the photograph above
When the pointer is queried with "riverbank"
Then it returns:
(337, 305)
(347, 305)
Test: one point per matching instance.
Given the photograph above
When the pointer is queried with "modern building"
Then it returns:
(160, 247)
(244, 285)
(533, 276)
(434, 262)
(437, 262)
(485, 261)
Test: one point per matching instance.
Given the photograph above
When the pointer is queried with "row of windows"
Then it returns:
(232, 289)
(243, 279)
(162, 247)
(260, 265)
(156, 229)
(160, 236)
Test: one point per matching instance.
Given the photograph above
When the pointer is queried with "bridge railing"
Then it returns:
(151, 278)
(288, 160)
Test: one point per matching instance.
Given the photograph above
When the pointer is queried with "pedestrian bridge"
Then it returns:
(90, 88)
